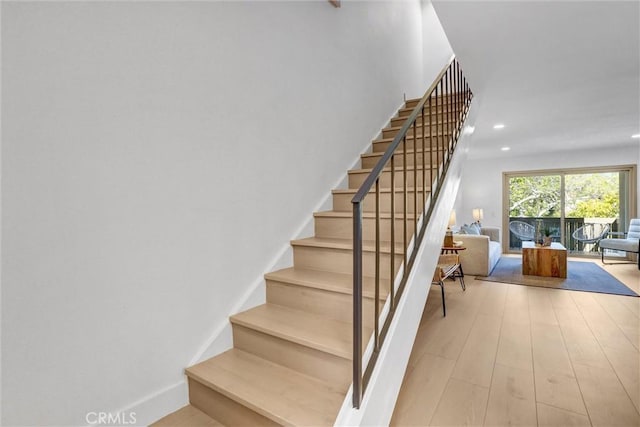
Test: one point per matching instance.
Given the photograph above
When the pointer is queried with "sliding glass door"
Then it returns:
(534, 199)
(573, 207)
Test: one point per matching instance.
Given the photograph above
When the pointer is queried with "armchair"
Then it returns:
(630, 243)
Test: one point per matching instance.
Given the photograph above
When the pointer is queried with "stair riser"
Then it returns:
(356, 179)
(342, 202)
(369, 162)
(381, 146)
(342, 228)
(223, 409)
(437, 130)
(318, 364)
(341, 260)
(336, 305)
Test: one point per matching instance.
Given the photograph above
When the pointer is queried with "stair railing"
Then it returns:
(443, 109)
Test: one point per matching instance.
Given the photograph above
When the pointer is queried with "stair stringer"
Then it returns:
(384, 385)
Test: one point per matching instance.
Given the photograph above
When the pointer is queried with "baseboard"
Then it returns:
(151, 408)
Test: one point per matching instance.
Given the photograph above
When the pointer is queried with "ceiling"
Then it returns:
(560, 75)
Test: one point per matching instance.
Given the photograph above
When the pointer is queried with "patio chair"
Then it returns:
(629, 243)
(522, 230)
(591, 233)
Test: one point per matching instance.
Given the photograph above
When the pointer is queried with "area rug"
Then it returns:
(581, 276)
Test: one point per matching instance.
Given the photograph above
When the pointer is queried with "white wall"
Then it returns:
(156, 157)
(482, 179)
(436, 49)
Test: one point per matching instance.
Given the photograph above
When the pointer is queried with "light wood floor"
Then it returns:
(518, 355)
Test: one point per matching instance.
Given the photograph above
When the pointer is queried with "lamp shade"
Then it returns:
(452, 218)
(477, 214)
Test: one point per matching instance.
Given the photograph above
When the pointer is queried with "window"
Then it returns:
(561, 201)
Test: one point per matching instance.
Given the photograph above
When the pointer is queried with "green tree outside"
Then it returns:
(593, 195)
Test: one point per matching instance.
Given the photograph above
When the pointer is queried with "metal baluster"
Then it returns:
(461, 96)
(392, 267)
(458, 98)
(454, 83)
(449, 129)
(454, 101)
(357, 304)
(446, 114)
(437, 136)
(430, 150)
(377, 277)
(404, 198)
(424, 170)
(442, 135)
(466, 90)
(444, 123)
(415, 183)
(450, 110)
(461, 86)
(454, 121)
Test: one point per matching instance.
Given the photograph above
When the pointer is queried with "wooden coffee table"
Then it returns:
(545, 261)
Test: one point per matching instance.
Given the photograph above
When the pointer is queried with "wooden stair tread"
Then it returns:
(311, 330)
(418, 125)
(328, 280)
(403, 119)
(382, 190)
(426, 137)
(346, 244)
(349, 214)
(406, 111)
(274, 391)
(409, 153)
(445, 95)
(398, 169)
(188, 416)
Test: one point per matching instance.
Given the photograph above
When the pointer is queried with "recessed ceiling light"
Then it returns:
(506, 148)
(637, 135)
(498, 126)
(468, 130)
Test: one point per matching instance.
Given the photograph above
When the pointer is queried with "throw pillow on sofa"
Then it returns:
(470, 229)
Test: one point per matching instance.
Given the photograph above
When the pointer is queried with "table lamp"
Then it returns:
(448, 236)
(477, 215)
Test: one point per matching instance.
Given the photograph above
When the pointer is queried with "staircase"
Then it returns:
(292, 359)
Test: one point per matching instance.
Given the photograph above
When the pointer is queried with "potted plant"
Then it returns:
(546, 240)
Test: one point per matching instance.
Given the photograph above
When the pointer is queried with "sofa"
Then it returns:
(482, 253)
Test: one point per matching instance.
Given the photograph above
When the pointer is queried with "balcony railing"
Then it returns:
(554, 224)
